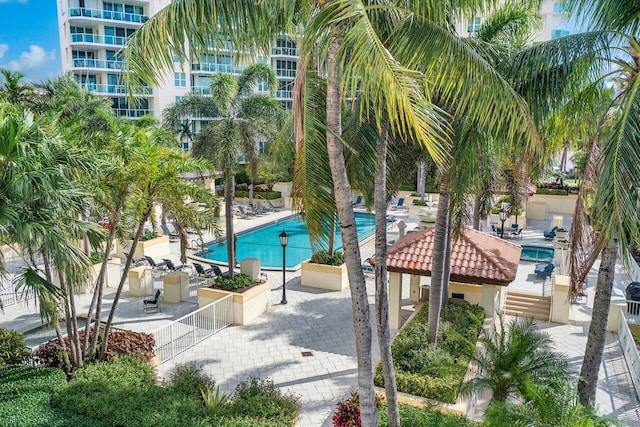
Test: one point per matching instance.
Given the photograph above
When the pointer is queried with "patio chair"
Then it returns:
(258, 208)
(399, 205)
(204, 272)
(516, 234)
(242, 212)
(135, 262)
(217, 272)
(551, 234)
(152, 304)
(545, 270)
(272, 207)
(156, 265)
(167, 232)
(172, 267)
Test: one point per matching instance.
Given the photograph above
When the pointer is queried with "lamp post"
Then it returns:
(284, 239)
(503, 218)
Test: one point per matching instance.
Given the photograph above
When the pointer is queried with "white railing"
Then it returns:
(186, 332)
(9, 295)
(630, 352)
(633, 312)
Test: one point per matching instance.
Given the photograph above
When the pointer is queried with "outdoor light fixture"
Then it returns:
(284, 239)
(503, 218)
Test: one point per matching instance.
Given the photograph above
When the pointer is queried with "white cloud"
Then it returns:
(32, 59)
(3, 47)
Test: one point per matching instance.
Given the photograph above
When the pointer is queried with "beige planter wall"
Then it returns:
(283, 187)
(140, 281)
(246, 305)
(176, 287)
(155, 248)
(276, 202)
(556, 204)
(560, 306)
(111, 279)
(472, 293)
(329, 277)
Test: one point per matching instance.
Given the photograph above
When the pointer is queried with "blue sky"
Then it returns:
(29, 38)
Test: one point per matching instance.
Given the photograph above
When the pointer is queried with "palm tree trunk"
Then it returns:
(420, 183)
(476, 213)
(73, 348)
(184, 241)
(99, 290)
(342, 191)
(65, 353)
(228, 212)
(597, 329)
(446, 275)
(438, 261)
(382, 298)
(125, 272)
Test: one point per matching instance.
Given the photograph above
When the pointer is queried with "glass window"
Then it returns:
(473, 25)
(559, 7)
(180, 80)
(559, 33)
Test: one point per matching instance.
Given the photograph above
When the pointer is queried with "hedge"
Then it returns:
(435, 372)
(413, 416)
(269, 195)
(25, 394)
(552, 191)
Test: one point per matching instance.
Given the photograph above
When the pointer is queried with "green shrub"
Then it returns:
(25, 394)
(189, 380)
(13, 349)
(435, 372)
(240, 281)
(407, 187)
(262, 400)
(148, 235)
(269, 195)
(126, 371)
(552, 191)
(96, 257)
(323, 257)
(413, 416)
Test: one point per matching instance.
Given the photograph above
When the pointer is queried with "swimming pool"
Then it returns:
(264, 243)
(536, 253)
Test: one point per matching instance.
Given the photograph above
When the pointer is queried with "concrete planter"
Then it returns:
(562, 235)
(556, 204)
(111, 278)
(155, 248)
(247, 305)
(321, 276)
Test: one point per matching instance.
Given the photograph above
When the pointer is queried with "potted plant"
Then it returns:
(250, 298)
(325, 271)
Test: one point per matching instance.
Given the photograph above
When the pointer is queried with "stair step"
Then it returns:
(527, 305)
(538, 316)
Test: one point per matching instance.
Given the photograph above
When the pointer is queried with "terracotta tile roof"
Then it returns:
(476, 257)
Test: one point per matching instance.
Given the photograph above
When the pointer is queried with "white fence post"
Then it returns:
(630, 352)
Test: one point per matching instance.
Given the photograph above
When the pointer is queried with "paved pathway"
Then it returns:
(321, 323)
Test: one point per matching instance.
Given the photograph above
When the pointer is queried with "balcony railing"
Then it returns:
(98, 39)
(284, 94)
(281, 72)
(115, 89)
(202, 90)
(131, 113)
(287, 51)
(108, 14)
(97, 63)
(213, 67)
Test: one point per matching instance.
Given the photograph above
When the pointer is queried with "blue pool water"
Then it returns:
(264, 243)
(536, 253)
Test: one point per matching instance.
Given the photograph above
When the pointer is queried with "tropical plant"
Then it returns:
(514, 354)
(14, 92)
(545, 406)
(243, 117)
(13, 350)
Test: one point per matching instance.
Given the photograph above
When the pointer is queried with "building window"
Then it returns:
(178, 98)
(263, 86)
(473, 25)
(180, 80)
(559, 33)
(262, 147)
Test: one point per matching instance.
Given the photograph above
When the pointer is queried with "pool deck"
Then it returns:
(320, 322)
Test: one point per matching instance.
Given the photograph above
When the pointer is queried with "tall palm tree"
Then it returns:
(354, 57)
(515, 354)
(243, 116)
(12, 90)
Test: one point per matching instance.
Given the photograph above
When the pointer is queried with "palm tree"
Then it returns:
(243, 116)
(12, 90)
(545, 406)
(515, 354)
(353, 54)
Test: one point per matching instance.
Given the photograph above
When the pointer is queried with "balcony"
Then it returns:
(201, 90)
(107, 14)
(98, 39)
(97, 63)
(131, 113)
(284, 94)
(114, 89)
(284, 51)
(280, 72)
(215, 68)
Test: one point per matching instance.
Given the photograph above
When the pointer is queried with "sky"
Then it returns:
(29, 41)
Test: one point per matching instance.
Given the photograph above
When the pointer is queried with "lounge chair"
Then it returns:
(135, 262)
(243, 212)
(156, 265)
(217, 272)
(258, 208)
(204, 272)
(167, 232)
(271, 206)
(152, 304)
(545, 269)
(399, 205)
(551, 234)
(172, 267)
(358, 203)
(516, 234)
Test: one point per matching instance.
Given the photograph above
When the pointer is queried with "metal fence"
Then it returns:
(630, 352)
(186, 332)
